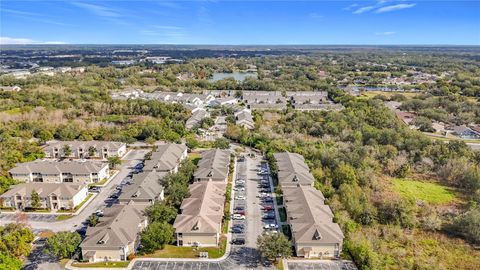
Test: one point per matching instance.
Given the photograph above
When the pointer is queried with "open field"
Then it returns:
(428, 192)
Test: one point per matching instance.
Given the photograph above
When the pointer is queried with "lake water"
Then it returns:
(238, 76)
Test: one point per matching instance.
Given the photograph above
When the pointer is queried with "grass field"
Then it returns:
(102, 265)
(428, 192)
(171, 251)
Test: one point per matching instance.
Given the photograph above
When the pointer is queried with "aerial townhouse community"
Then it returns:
(200, 220)
(314, 234)
(61, 180)
(116, 236)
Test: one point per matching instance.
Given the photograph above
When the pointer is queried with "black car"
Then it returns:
(241, 226)
(237, 230)
(238, 241)
(239, 208)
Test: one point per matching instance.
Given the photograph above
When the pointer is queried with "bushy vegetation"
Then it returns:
(354, 154)
(15, 243)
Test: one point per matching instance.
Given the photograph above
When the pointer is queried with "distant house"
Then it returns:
(196, 119)
(465, 132)
(200, 221)
(79, 172)
(145, 188)
(213, 166)
(244, 119)
(85, 149)
(166, 158)
(10, 88)
(116, 236)
(223, 101)
(264, 100)
(307, 97)
(53, 196)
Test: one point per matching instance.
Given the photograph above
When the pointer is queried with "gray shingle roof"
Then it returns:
(145, 187)
(57, 167)
(64, 190)
(202, 212)
(213, 165)
(165, 158)
(310, 220)
(292, 169)
(118, 227)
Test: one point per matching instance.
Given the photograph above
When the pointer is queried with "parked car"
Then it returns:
(240, 212)
(239, 225)
(237, 230)
(238, 217)
(267, 208)
(114, 196)
(238, 241)
(94, 189)
(271, 226)
(240, 198)
(239, 189)
(99, 213)
(269, 216)
(268, 199)
(239, 208)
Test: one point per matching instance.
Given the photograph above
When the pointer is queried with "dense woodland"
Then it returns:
(361, 157)
(354, 155)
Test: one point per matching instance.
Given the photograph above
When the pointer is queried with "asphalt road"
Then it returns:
(48, 222)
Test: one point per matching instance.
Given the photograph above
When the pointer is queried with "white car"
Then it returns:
(270, 226)
(238, 217)
(240, 198)
(239, 189)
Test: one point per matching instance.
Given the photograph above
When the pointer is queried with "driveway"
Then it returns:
(47, 222)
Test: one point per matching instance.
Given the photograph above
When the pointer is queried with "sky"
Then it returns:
(380, 22)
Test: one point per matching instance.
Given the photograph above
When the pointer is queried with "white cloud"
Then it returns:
(98, 10)
(168, 27)
(388, 33)
(351, 6)
(10, 40)
(394, 8)
(25, 41)
(363, 9)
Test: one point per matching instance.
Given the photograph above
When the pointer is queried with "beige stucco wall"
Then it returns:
(204, 239)
(325, 250)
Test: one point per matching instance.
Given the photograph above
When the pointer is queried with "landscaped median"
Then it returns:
(101, 265)
(172, 251)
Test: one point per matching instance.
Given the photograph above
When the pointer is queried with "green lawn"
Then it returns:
(428, 192)
(171, 251)
(283, 214)
(63, 217)
(102, 265)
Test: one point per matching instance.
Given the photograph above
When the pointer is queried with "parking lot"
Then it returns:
(320, 265)
(253, 210)
(30, 217)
